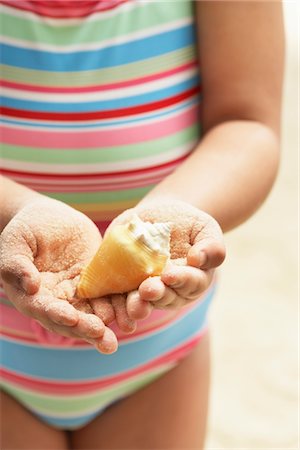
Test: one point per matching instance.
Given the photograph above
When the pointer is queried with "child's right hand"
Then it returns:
(43, 249)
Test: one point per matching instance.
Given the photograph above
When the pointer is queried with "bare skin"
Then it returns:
(157, 411)
(42, 256)
(161, 421)
(235, 165)
(32, 434)
(43, 249)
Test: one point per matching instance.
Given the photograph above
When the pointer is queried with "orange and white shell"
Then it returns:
(128, 255)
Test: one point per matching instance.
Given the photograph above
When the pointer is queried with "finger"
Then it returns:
(208, 249)
(19, 271)
(168, 298)
(137, 308)
(206, 254)
(81, 305)
(188, 282)
(151, 289)
(154, 290)
(59, 330)
(70, 332)
(89, 326)
(103, 308)
(125, 323)
(176, 303)
(108, 343)
(60, 312)
(47, 308)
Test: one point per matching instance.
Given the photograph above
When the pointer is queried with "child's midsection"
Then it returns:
(20, 328)
(98, 111)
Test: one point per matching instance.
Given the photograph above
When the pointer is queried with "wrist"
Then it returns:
(13, 198)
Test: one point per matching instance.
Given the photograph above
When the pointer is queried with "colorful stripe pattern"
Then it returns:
(100, 102)
(67, 383)
(109, 90)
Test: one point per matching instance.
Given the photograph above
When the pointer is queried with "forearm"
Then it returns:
(228, 175)
(12, 197)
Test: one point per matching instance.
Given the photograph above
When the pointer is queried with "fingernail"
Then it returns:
(196, 257)
(129, 326)
(107, 348)
(108, 344)
(202, 258)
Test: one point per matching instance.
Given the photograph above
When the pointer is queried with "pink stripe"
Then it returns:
(63, 188)
(97, 182)
(19, 327)
(11, 319)
(108, 138)
(87, 177)
(76, 388)
(24, 329)
(93, 188)
(63, 9)
(103, 87)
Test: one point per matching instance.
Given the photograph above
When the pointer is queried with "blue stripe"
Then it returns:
(112, 56)
(88, 364)
(72, 422)
(68, 424)
(123, 102)
(100, 124)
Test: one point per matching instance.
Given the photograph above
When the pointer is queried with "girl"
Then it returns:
(167, 110)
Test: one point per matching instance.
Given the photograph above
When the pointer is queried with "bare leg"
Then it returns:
(20, 430)
(170, 413)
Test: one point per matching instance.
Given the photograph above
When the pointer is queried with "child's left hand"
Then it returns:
(197, 248)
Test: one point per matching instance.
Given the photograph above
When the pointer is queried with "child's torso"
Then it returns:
(100, 99)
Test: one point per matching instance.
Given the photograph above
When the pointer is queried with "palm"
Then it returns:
(43, 250)
(61, 240)
(196, 245)
(188, 224)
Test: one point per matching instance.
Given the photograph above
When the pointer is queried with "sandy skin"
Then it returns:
(46, 245)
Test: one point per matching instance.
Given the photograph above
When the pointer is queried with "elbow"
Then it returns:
(269, 146)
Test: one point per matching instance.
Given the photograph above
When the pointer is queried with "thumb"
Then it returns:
(208, 250)
(20, 272)
(206, 254)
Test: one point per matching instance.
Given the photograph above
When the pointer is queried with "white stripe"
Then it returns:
(109, 94)
(102, 167)
(109, 126)
(149, 32)
(99, 16)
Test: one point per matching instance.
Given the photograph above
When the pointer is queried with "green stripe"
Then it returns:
(5, 301)
(101, 76)
(99, 197)
(140, 18)
(80, 404)
(100, 155)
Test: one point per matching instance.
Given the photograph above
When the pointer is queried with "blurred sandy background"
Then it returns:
(254, 399)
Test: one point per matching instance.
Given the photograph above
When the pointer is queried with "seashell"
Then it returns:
(128, 255)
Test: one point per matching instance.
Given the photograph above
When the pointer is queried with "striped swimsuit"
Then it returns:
(100, 102)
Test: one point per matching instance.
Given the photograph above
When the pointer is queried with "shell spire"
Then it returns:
(128, 255)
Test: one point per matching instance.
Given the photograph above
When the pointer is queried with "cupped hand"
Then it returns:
(197, 248)
(43, 250)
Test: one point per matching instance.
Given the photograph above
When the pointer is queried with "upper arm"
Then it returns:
(241, 47)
